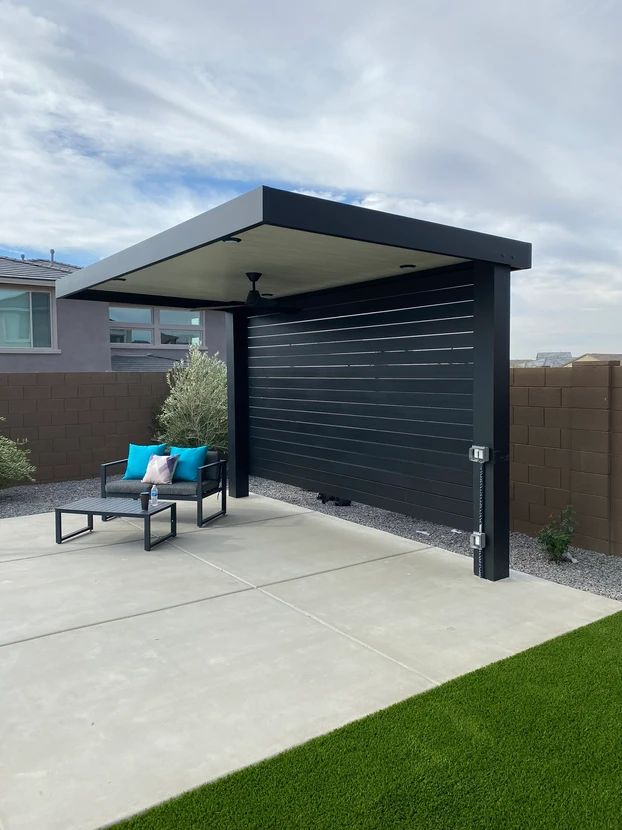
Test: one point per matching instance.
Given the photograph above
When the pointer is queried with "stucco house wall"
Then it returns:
(82, 342)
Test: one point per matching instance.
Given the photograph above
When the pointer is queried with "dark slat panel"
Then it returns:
(446, 463)
(435, 501)
(383, 456)
(366, 393)
(369, 422)
(373, 443)
(432, 386)
(426, 441)
(394, 291)
(396, 477)
(445, 297)
(407, 328)
(448, 371)
(403, 315)
(389, 358)
(362, 397)
(364, 346)
(385, 499)
(375, 410)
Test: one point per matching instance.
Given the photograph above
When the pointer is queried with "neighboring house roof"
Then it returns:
(548, 359)
(28, 269)
(554, 358)
(142, 362)
(590, 357)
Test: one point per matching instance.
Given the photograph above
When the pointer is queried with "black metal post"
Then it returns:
(491, 413)
(237, 384)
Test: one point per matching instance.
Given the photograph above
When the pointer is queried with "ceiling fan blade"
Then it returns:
(255, 302)
(220, 306)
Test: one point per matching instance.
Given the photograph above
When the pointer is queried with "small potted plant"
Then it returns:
(556, 536)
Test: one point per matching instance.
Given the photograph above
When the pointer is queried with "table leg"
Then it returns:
(151, 543)
(59, 530)
(147, 532)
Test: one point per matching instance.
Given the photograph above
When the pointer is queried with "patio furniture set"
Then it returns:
(191, 474)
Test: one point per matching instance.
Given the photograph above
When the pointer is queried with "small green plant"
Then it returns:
(195, 411)
(556, 537)
(15, 463)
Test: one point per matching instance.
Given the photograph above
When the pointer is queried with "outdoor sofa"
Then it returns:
(211, 480)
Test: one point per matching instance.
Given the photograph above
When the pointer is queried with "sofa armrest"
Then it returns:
(221, 464)
(104, 473)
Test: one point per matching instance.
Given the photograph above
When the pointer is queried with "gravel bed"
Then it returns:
(28, 499)
(595, 572)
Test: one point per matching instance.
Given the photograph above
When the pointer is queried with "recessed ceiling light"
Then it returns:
(408, 265)
(234, 239)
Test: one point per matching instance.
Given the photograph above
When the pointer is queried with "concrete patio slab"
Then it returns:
(292, 546)
(101, 722)
(426, 610)
(53, 593)
(149, 673)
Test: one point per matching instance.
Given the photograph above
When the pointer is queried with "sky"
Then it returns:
(120, 119)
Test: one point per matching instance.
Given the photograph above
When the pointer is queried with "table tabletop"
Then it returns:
(113, 507)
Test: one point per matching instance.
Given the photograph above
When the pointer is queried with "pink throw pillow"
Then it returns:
(160, 469)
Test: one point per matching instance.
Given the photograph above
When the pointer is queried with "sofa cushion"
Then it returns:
(133, 487)
(212, 473)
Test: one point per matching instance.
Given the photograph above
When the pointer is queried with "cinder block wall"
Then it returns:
(566, 441)
(566, 448)
(74, 422)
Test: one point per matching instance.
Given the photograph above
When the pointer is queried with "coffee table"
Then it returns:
(116, 508)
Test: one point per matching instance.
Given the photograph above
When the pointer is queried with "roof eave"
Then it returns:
(296, 211)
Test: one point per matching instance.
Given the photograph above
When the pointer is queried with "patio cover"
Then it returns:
(394, 363)
(300, 244)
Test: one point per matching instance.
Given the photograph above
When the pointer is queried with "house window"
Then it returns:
(142, 336)
(169, 327)
(25, 319)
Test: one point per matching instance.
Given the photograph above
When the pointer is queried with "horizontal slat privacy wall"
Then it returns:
(366, 394)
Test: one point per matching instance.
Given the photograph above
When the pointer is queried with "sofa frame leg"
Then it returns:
(201, 522)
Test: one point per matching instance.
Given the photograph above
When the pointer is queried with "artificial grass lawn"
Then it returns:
(534, 741)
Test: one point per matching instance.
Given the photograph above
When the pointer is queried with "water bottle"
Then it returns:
(153, 497)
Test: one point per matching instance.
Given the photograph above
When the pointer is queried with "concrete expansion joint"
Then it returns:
(350, 637)
(262, 589)
(123, 617)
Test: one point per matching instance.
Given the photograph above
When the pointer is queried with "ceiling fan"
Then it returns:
(255, 302)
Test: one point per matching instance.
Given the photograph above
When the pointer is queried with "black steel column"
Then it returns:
(491, 412)
(236, 328)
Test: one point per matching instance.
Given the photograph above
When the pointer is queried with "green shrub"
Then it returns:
(556, 537)
(195, 411)
(15, 463)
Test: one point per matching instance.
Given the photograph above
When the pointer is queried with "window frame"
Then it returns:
(156, 327)
(29, 287)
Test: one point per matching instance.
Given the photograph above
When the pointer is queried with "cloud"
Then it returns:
(121, 119)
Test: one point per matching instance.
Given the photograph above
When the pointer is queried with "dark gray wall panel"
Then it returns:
(366, 393)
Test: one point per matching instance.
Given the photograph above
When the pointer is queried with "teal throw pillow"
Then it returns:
(190, 459)
(138, 457)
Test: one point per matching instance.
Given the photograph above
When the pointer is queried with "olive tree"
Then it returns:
(195, 411)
